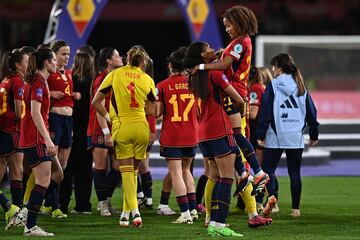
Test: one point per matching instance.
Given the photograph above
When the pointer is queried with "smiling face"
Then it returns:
(62, 56)
(208, 54)
(230, 28)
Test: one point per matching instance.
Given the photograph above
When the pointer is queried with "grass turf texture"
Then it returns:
(329, 208)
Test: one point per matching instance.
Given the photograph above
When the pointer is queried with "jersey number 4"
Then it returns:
(174, 102)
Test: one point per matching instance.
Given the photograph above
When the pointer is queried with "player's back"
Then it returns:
(180, 125)
(131, 87)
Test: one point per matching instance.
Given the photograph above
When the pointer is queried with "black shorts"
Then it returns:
(35, 155)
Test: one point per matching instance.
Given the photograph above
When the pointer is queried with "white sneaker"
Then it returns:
(165, 210)
(295, 213)
(104, 208)
(36, 232)
(182, 219)
(275, 209)
(194, 214)
(112, 210)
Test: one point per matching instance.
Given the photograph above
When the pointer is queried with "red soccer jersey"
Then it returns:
(238, 74)
(93, 125)
(214, 123)
(11, 89)
(58, 83)
(39, 91)
(256, 92)
(180, 125)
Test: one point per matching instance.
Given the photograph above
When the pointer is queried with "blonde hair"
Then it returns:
(137, 56)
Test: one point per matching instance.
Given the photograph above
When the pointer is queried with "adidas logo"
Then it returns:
(289, 103)
(284, 115)
(216, 207)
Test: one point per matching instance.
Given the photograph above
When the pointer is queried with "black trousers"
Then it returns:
(293, 157)
(78, 173)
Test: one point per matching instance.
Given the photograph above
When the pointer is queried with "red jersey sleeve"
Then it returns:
(255, 96)
(18, 88)
(233, 50)
(219, 79)
(37, 91)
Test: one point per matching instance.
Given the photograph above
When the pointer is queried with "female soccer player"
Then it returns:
(98, 132)
(218, 142)
(35, 140)
(60, 117)
(286, 109)
(241, 23)
(178, 137)
(13, 68)
(78, 170)
(259, 78)
(133, 91)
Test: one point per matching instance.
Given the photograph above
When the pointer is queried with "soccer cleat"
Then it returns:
(225, 232)
(74, 211)
(57, 213)
(275, 209)
(45, 210)
(10, 216)
(37, 232)
(104, 208)
(165, 210)
(259, 184)
(259, 208)
(137, 221)
(182, 219)
(244, 182)
(21, 218)
(194, 214)
(269, 206)
(141, 201)
(258, 221)
(200, 208)
(210, 230)
(124, 222)
(295, 213)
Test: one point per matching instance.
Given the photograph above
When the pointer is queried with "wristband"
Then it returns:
(201, 66)
(107, 118)
(105, 131)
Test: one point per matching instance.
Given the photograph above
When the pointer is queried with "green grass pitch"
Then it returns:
(330, 208)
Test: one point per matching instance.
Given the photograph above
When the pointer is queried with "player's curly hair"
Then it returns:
(243, 19)
(198, 81)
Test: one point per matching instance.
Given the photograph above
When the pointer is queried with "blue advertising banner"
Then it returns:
(201, 19)
(77, 21)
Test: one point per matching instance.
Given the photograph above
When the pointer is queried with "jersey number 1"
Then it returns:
(131, 88)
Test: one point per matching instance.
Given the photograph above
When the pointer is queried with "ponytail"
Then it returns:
(37, 62)
(8, 62)
(198, 81)
(136, 56)
(299, 80)
(287, 65)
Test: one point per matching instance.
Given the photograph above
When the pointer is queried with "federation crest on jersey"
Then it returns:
(253, 97)
(238, 48)
(21, 92)
(39, 92)
(225, 78)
